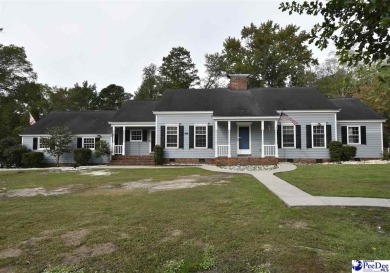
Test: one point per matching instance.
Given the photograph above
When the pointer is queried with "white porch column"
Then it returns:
(123, 140)
(262, 139)
(229, 146)
(113, 140)
(216, 138)
(276, 139)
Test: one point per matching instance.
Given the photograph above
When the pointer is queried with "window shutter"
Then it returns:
(298, 136)
(162, 136)
(210, 137)
(279, 135)
(328, 134)
(35, 143)
(79, 142)
(144, 135)
(191, 144)
(308, 136)
(127, 135)
(344, 134)
(181, 137)
(364, 135)
(97, 139)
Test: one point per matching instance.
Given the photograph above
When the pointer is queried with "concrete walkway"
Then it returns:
(294, 197)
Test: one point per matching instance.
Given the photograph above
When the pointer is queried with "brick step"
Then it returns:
(129, 160)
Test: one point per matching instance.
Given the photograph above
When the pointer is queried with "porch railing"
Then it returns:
(222, 150)
(269, 150)
(118, 149)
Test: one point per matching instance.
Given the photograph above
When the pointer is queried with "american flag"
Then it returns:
(284, 116)
(32, 120)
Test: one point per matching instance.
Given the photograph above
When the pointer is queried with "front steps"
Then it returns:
(132, 160)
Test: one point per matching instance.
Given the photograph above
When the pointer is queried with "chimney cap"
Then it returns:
(238, 75)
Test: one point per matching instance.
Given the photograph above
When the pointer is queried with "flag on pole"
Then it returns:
(284, 116)
(32, 120)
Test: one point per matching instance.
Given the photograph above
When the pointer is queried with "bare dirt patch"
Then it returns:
(88, 251)
(97, 173)
(74, 238)
(28, 192)
(172, 234)
(295, 225)
(7, 269)
(10, 253)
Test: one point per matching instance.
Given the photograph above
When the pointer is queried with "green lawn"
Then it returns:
(341, 180)
(235, 226)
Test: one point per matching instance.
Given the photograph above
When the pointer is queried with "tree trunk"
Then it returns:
(58, 161)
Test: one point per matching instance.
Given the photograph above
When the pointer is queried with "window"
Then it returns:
(43, 143)
(288, 139)
(89, 142)
(318, 134)
(354, 135)
(200, 136)
(172, 136)
(136, 135)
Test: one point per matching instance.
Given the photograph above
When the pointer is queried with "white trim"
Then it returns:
(158, 139)
(216, 138)
(312, 135)
(364, 121)
(247, 118)
(207, 135)
(276, 139)
(244, 151)
(229, 142)
(382, 149)
(308, 111)
(94, 143)
(360, 135)
(124, 140)
(131, 140)
(335, 127)
(181, 112)
(134, 124)
(281, 133)
(177, 134)
(262, 139)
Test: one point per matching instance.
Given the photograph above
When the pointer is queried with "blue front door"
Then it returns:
(243, 140)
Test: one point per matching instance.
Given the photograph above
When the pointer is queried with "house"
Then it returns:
(227, 126)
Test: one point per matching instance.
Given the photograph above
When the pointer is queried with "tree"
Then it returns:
(272, 55)
(112, 97)
(102, 149)
(178, 70)
(58, 142)
(83, 97)
(214, 72)
(359, 29)
(15, 69)
(150, 88)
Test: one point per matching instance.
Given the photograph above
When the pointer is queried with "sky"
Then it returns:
(110, 42)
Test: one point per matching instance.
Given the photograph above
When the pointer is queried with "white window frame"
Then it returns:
(177, 136)
(207, 135)
(94, 143)
(312, 135)
(295, 136)
(39, 144)
(131, 135)
(360, 135)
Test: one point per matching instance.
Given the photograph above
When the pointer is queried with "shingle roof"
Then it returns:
(252, 102)
(354, 109)
(136, 111)
(79, 122)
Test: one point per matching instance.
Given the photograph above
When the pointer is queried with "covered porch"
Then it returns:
(246, 137)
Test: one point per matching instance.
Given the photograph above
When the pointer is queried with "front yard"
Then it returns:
(155, 220)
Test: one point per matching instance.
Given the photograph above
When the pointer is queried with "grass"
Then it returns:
(342, 180)
(235, 227)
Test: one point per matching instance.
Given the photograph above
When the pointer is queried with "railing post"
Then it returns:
(276, 139)
(216, 138)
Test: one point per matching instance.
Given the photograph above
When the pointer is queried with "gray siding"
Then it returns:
(66, 157)
(304, 119)
(186, 121)
(373, 148)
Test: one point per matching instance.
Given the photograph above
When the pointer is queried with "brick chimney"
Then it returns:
(238, 81)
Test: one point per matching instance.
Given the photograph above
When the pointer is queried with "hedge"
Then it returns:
(81, 156)
(32, 159)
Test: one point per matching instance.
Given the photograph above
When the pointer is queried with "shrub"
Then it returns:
(14, 155)
(386, 155)
(335, 151)
(32, 159)
(6, 143)
(82, 156)
(158, 155)
(349, 152)
(102, 149)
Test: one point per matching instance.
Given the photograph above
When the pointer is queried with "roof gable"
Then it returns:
(354, 109)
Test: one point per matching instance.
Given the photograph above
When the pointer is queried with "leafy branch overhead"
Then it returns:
(359, 29)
